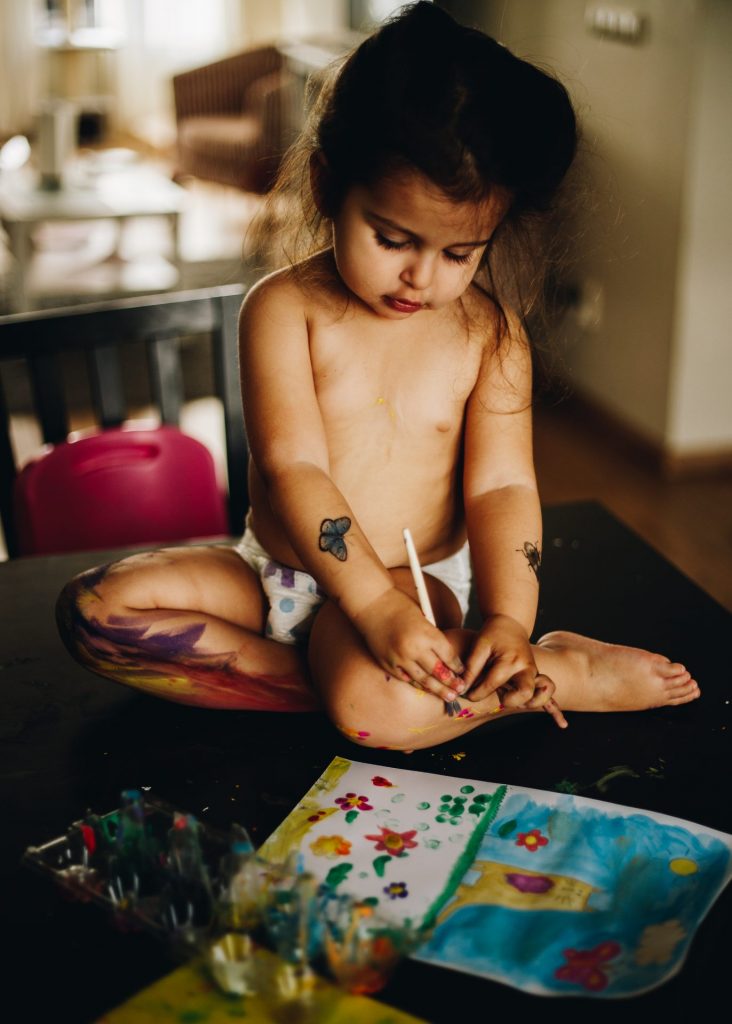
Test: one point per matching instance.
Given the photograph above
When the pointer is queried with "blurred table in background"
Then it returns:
(105, 188)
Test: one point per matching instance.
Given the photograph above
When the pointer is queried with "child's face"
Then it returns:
(403, 247)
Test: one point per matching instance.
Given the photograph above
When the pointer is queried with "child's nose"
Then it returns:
(418, 272)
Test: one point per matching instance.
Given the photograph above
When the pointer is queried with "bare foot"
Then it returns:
(593, 676)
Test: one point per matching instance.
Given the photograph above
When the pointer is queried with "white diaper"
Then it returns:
(295, 597)
(456, 573)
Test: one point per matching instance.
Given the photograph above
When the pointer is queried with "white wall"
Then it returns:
(700, 414)
(18, 72)
(656, 113)
(198, 31)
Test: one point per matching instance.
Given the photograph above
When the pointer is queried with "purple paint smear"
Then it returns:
(119, 649)
(91, 577)
(166, 645)
(530, 883)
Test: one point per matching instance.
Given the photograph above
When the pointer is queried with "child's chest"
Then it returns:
(387, 382)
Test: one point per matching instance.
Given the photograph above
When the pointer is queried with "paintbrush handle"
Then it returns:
(418, 577)
(451, 707)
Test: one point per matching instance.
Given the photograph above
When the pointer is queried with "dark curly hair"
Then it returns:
(426, 93)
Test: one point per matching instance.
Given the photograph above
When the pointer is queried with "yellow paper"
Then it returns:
(188, 993)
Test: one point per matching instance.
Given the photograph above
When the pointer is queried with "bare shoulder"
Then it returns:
(293, 293)
(276, 296)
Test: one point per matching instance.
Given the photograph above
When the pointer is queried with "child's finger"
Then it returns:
(520, 689)
(476, 663)
(445, 658)
(502, 672)
(552, 708)
(543, 691)
(543, 698)
(425, 681)
(447, 676)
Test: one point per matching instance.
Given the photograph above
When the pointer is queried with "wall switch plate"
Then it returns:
(590, 308)
(619, 23)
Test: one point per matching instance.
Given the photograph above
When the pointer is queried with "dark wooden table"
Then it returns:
(72, 741)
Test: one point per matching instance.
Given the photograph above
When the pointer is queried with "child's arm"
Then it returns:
(504, 526)
(289, 448)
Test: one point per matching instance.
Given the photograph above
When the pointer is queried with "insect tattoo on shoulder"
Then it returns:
(532, 555)
(331, 537)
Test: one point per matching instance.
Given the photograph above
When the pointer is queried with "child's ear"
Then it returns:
(318, 181)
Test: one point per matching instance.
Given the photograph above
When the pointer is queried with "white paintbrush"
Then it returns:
(418, 577)
(451, 706)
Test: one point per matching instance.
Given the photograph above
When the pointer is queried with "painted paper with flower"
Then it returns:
(571, 896)
(401, 839)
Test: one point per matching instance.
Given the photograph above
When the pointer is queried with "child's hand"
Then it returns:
(502, 662)
(409, 647)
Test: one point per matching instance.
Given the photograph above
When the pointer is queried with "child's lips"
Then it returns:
(402, 305)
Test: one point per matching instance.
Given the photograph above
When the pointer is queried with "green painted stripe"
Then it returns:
(466, 858)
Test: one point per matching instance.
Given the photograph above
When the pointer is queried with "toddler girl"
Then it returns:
(386, 380)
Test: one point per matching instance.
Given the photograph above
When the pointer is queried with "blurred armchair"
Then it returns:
(235, 118)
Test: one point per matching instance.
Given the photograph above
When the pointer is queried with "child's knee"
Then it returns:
(83, 601)
(377, 712)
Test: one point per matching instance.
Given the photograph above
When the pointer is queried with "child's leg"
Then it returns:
(378, 710)
(184, 624)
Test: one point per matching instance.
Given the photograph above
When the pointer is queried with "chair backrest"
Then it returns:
(219, 87)
(99, 330)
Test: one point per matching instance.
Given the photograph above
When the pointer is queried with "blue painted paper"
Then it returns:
(572, 896)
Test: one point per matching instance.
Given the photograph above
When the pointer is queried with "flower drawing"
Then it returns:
(395, 844)
(353, 802)
(584, 966)
(531, 840)
(396, 890)
(331, 847)
(658, 942)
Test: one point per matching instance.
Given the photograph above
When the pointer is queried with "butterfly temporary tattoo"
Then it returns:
(331, 536)
(533, 556)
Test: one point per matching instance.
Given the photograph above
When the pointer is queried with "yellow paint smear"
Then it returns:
(189, 994)
(423, 728)
(290, 834)
(492, 887)
(387, 405)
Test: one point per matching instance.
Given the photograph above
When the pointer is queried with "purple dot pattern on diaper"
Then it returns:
(287, 575)
(299, 609)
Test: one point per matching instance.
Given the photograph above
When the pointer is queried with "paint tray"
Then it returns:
(152, 867)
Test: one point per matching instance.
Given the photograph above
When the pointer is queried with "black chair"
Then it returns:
(99, 330)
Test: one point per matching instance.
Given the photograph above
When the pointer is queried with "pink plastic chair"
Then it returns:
(118, 487)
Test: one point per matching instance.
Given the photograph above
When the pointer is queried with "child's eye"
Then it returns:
(388, 243)
(453, 257)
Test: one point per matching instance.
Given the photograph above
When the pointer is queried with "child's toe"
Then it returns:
(683, 691)
(674, 668)
(684, 698)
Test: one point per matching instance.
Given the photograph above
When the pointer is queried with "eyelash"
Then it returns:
(387, 243)
(454, 258)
